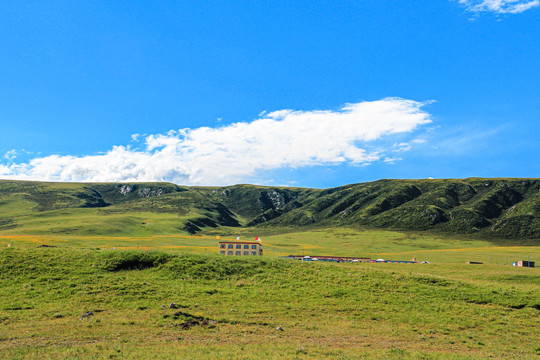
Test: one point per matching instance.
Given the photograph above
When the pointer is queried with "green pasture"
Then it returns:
(149, 231)
(97, 221)
(399, 246)
(126, 263)
(258, 308)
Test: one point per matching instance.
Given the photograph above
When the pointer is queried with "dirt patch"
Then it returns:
(190, 320)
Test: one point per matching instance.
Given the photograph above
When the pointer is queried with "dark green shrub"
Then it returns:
(133, 260)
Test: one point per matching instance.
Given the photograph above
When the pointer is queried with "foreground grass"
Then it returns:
(232, 308)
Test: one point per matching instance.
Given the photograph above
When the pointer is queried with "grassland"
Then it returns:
(121, 252)
(259, 308)
(394, 245)
(443, 310)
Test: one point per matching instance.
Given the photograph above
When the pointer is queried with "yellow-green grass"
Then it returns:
(92, 221)
(182, 243)
(342, 311)
(374, 244)
(393, 245)
(399, 246)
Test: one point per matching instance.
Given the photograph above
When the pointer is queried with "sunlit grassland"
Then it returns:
(446, 309)
(386, 244)
(126, 262)
(155, 233)
(92, 221)
(325, 310)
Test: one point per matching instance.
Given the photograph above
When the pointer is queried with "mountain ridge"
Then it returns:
(498, 207)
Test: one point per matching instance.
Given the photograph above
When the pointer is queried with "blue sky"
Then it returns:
(297, 93)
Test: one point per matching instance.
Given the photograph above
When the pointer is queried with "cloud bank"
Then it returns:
(237, 152)
(499, 6)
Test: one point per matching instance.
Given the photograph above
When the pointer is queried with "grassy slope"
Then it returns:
(325, 310)
(107, 209)
(489, 208)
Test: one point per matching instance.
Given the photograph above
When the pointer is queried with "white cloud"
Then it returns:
(10, 155)
(236, 152)
(499, 6)
(391, 160)
(401, 147)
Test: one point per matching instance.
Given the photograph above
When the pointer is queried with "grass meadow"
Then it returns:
(267, 307)
(335, 241)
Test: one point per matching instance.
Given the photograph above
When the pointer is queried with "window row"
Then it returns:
(238, 253)
(238, 246)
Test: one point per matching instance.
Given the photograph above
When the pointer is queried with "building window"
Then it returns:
(246, 252)
(253, 246)
(230, 246)
(222, 252)
(229, 253)
(238, 246)
(222, 246)
(246, 246)
(238, 253)
(253, 253)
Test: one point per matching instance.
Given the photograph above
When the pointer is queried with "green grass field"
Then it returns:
(259, 308)
(232, 308)
(125, 263)
(153, 233)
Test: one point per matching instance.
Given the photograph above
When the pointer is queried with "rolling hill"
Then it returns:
(502, 208)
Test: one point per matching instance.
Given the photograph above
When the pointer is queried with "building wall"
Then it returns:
(237, 248)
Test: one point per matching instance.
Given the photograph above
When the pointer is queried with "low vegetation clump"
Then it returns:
(74, 303)
(133, 260)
